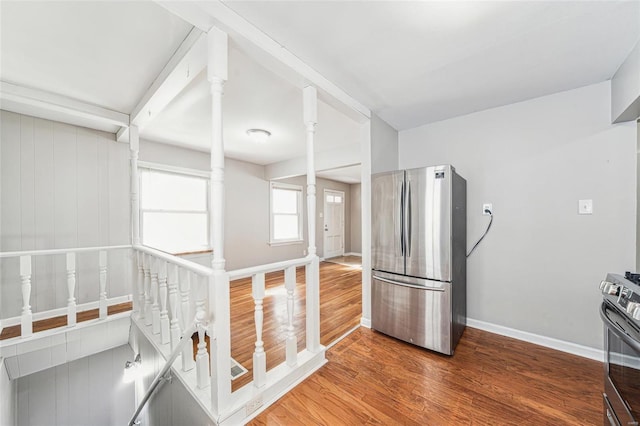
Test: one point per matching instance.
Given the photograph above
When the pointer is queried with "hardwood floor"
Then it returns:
(340, 311)
(61, 321)
(491, 380)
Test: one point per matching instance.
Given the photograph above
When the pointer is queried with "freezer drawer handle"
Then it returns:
(419, 287)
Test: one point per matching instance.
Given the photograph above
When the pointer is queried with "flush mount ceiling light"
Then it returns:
(258, 135)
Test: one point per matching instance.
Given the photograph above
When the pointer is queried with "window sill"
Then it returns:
(285, 243)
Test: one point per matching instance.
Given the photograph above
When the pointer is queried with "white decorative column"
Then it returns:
(134, 148)
(219, 305)
(310, 114)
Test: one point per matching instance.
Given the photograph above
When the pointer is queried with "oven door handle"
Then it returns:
(615, 328)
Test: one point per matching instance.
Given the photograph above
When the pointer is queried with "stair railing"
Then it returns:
(164, 374)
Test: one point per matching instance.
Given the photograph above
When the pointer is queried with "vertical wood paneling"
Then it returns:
(103, 189)
(88, 197)
(22, 414)
(60, 186)
(119, 218)
(40, 386)
(65, 204)
(27, 183)
(44, 273)
(11, 299)
(63, 414)
(100, 378)
(79, 390)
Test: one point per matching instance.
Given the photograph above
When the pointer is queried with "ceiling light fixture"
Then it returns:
(258, 135)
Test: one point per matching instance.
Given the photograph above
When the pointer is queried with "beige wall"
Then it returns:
(247, 207)
(539, 267)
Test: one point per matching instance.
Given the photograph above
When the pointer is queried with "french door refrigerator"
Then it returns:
(419, 238)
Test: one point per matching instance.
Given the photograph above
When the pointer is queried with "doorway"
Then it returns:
(333, 223)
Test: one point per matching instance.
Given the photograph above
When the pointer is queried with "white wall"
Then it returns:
(172, 404)
(61, 186)
(625, 88)
(384, 146)
(88, 391)
(356, 218)
(539, 267)
(247, 206)
(9, 400)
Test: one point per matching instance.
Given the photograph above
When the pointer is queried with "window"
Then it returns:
(173, 210)
(286, 213)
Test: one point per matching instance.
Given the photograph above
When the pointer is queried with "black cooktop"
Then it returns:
(634, 278)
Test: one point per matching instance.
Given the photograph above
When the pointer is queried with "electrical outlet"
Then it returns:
(485, 207)
(585, 206)
(253, 405)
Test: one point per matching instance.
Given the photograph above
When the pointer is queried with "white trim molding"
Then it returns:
(549, 342)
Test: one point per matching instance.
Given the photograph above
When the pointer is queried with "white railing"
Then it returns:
(25, 273)
(169, 294)
(205, 296)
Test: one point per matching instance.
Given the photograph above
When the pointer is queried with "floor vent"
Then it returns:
(237, 369)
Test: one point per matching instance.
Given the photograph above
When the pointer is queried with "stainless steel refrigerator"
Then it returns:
(419, 238)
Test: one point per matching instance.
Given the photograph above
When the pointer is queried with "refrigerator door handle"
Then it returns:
(419, 287)
(402, 218)
(407, 227)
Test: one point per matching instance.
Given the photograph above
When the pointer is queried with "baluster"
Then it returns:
(187, 353)
(71, 289)
(292, 341)
(259, 356)
(103, 283)
(202, 358)
(174, 330)
(141, 306)
(25, 278)
(147, 289)
(164, 317)
(155, 307)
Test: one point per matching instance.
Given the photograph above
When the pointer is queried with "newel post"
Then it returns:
(219, 305)
(310, 114)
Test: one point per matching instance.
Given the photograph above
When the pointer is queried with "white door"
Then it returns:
(333, 223)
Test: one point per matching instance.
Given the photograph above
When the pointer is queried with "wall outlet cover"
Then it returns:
(485, 207)
(585, 206)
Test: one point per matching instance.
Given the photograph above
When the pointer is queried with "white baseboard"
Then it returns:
(365, 322)
(549, 342)
(353, 254)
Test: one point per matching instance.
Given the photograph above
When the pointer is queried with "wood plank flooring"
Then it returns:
(491, 380)
(61, 321)
(340, 311)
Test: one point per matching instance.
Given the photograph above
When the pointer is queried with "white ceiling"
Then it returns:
(415, 62)
(410, 62)
(253, 98)
(102, 53)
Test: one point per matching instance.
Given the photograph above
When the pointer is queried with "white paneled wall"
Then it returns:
(88, 391)
(172, 404)
(60, 186)
(8, 390)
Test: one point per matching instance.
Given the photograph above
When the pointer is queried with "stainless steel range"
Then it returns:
(620, 312)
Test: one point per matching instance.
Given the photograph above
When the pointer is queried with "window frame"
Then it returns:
(300, 214)
(145, 166)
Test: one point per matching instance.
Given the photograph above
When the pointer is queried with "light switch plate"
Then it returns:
(585, 206)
